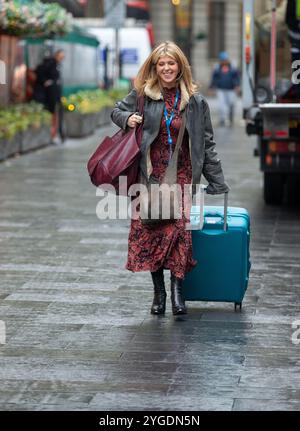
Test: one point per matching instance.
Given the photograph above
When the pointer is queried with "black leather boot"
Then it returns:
(178, 305)
(160, 294)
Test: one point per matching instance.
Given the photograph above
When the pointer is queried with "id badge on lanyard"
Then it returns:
(169, 119)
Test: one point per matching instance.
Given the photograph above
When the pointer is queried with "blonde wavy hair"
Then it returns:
(147, 75)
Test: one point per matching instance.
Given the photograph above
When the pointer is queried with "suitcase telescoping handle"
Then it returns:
(202, 192)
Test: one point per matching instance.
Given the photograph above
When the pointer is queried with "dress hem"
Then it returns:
(179, 274)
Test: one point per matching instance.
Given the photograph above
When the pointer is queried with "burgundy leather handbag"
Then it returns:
(117, 156)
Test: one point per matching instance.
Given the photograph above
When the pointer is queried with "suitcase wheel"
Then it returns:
(236, 305)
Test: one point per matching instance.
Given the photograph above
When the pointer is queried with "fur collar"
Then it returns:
(155, 94)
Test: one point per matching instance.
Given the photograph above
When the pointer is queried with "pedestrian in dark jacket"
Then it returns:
(165, 81)
(226, 80)
(48, 89)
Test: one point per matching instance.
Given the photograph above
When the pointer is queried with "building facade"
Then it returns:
(215, 26)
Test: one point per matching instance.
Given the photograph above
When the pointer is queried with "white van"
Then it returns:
(134, 46)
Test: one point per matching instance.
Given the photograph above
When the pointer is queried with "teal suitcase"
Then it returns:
(223, 254)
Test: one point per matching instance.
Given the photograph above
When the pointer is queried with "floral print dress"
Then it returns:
(167, 245)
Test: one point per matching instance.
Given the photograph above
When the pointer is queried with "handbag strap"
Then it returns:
(141, 104)
(139, 129)
(171, 171)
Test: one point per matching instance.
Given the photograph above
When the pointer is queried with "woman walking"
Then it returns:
(165, 82)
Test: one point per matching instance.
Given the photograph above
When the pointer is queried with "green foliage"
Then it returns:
(18, 118)
(92, 101)
(117, 93)
(19, 18)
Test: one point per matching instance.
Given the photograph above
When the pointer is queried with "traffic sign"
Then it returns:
(129, 56)
(115, 13)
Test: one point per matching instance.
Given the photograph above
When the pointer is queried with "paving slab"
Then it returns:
(79, 334)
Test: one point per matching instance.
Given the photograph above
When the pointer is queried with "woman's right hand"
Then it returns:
(134, 120)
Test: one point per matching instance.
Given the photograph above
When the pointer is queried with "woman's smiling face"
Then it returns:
(167, 70)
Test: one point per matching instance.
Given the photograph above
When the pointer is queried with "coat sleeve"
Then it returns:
(237, 80)
(212, 169)
(124, 108)
(214, 79)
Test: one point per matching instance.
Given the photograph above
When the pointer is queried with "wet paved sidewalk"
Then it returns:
(79, 332)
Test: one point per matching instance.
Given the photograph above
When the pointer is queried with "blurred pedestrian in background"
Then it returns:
(165, 81)
(48, 90)
(226, 80)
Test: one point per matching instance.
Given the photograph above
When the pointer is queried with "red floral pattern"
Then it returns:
(167, 244)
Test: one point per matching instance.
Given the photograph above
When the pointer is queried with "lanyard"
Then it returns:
(169, 120)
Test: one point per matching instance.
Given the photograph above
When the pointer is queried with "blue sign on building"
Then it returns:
(129, 56)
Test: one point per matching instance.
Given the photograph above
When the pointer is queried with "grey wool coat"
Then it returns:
(204, 158)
